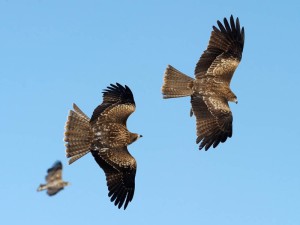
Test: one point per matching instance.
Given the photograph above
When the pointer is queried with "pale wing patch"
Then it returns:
(226, 66)
(219, 108)
(216, 105)
(118, 113)
(223, 68)
(119, 157)
(213, 121)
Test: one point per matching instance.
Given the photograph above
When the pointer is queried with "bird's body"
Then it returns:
(210, 90)
(106, 136)
(53, 187)
(111, 135)
(211, 87)
(54, 180)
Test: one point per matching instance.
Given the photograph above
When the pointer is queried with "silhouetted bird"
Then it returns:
(210, 91)
(54, 180)
(105, 135)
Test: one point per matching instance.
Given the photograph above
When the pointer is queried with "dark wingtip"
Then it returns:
(57, 165)
(119, 92)
(201, 146)
(221, 27)
(120, 196)
(113, 88)
(232, 18)
(232, 29)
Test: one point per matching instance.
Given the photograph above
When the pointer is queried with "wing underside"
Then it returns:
(118, 103)
(213, 121)
(224, 51)
(120, 169)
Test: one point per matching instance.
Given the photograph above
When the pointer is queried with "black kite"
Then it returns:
(54, 180)
(210, 90)
(105, 135)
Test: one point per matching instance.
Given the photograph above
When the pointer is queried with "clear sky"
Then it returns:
(54, 53)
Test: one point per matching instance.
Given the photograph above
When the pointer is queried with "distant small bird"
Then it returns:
(210, 91)
(105, 135)
(54, 180)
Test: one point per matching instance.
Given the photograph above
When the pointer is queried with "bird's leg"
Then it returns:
(191, 112)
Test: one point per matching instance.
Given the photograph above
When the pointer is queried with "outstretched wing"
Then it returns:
(213, 119)
(120, 169)
(55, 172)
(118, 103)
(224, 51)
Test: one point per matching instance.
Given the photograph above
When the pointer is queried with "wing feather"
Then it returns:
(226, 42)
(213, 120)
(120, 169)
(55, 172)
(54, 190)
(118, 103)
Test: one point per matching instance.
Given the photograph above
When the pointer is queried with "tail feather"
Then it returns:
(42, 187)
(77, 148)
(78, 156)
(78, 134)
(176, 84)
(76, 108)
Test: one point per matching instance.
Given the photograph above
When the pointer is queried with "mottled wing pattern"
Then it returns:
(224, 51)
(55, 172)
(120, 169)
(118, 103)
(213, 120)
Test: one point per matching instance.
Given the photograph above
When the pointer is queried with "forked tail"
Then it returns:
(176, 84)
(78, 134)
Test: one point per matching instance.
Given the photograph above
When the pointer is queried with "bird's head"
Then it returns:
(134, 137)
(66, 184)
(231, 97)
(235, 100)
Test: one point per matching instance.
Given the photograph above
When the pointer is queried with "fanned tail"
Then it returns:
(176, 84)
(78, 134)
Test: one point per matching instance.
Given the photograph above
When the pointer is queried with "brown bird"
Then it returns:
(54, 180)
(105, 135)
(210, 90)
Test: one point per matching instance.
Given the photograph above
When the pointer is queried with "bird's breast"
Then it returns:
(111, 135)
(209, 86)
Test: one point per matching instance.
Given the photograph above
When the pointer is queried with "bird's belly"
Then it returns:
(110, 136)
(207, 87)
(55, 184)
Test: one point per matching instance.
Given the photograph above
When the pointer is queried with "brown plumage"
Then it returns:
(105, 135)
(54, 180)
(210, 90)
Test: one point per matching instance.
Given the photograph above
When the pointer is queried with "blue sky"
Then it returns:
(54, 53)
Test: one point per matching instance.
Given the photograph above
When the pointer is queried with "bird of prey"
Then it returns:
(54, 180)
(210, 90)
(106, 136)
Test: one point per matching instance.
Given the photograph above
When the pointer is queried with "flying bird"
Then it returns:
(210, 90)
(106, 136)
(54, 180)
